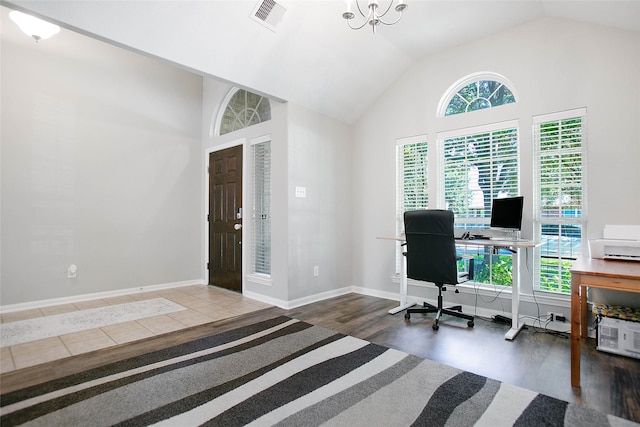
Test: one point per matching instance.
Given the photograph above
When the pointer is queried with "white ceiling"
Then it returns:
(312, 59)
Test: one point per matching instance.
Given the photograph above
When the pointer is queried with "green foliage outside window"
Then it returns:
(499, 272)
(479, 95)
(557, 277)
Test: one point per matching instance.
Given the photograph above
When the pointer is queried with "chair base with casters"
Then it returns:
(455, 310)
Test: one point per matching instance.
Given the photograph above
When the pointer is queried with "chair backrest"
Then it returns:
(431, 247)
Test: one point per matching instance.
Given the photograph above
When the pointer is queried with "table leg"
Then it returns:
(576, 317)
(403, 290)
(516, 326)
(584, 325)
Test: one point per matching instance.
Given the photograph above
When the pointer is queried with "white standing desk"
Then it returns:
(404, 304)
(513, 246)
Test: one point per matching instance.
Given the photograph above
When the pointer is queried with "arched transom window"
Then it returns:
(243, 109)
(476, 92)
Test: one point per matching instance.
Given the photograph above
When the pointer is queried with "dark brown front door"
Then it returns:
(225, 218)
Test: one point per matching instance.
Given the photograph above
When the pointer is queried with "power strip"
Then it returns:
(502, 319)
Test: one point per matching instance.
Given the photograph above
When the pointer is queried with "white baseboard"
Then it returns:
(376, 293)
(288, 305)
(265, 299)
(98, 295)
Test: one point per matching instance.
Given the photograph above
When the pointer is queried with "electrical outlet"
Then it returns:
(316, 271)
(556, 317)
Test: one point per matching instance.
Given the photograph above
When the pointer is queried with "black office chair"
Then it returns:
(431, 257)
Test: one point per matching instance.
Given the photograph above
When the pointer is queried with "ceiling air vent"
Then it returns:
(268, 13)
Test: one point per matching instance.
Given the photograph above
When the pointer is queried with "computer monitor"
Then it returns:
(506, 213)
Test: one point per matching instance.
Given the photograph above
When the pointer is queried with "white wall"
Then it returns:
(101, 167)
(312, 151)
(319, 224)
(554, 65)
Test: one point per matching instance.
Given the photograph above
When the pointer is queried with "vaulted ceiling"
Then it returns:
(311, 57)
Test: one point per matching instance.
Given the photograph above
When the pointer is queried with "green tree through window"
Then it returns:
(479, 95)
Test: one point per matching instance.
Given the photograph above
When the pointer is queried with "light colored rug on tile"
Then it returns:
(23, 331)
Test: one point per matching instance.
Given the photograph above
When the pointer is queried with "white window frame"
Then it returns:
(225, 106)
(483, 221)
(441, 137)
(260, 262)
(560, 221)
(467, 80)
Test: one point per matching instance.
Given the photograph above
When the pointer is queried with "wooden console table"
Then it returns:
(595, 273)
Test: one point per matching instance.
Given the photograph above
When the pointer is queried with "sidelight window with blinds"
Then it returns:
(261, 207)
(411, 180)
(559, 152)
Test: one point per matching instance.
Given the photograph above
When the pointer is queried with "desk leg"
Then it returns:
(584, 325)
(575, 328)
(403, 290)
(516, 326)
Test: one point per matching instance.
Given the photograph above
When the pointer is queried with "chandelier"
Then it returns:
(373, 17)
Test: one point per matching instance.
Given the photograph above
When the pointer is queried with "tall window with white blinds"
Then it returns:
(261, 209)
(478, 165)
(411, 179)
(560, 149)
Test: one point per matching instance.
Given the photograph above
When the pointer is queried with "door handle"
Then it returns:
(237, 226)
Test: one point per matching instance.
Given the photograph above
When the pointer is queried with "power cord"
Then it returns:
(539, 319)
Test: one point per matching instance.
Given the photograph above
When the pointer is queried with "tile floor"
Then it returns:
(204, 304)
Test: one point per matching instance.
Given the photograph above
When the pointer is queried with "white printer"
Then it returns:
(620, 242)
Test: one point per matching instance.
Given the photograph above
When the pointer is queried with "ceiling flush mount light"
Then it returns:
(373, 17)
(34, 27)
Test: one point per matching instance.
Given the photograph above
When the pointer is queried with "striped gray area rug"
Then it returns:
(285, 372)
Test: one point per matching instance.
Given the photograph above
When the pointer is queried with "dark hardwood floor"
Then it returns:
(535, 360)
